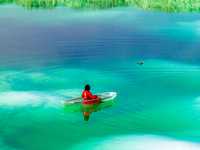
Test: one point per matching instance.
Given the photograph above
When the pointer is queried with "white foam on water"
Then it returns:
(196, 103)
(195, 25)
(28, 99)
(136, 142)
(37, 98)
(13, 98)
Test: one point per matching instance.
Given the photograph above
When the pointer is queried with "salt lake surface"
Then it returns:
(48, 55)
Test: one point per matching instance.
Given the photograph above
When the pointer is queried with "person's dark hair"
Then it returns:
(87, 87)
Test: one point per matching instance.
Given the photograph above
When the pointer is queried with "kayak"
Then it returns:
(106, 96)
(77, 108)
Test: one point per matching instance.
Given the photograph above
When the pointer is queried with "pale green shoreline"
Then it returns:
(154, 5)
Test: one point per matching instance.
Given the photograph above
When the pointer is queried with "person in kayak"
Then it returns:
(87, 97)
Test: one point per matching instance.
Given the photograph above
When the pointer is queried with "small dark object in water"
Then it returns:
(86, 118)
(140, 63)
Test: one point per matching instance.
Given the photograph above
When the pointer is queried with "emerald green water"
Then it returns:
(50, 55)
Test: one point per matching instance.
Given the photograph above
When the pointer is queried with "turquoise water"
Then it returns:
(48, 55)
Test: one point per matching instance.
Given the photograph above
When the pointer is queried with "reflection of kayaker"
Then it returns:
(87, 114)
(87, 95)
(140, 63)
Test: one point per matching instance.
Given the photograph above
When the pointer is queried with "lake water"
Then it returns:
(48, 55)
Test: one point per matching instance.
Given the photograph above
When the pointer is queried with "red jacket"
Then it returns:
(87, 95)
